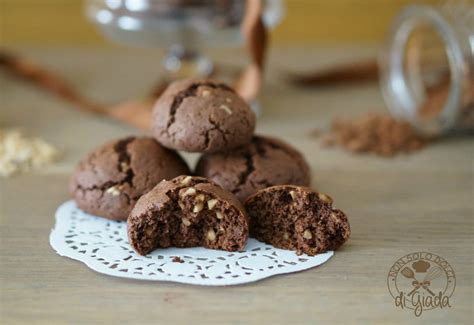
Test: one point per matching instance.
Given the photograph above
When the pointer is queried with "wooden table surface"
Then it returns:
(420, 202)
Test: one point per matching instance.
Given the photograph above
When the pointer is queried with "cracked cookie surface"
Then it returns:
(187, 211)
(109, 181)
(297, 218)
(262, 163)
(202, 115)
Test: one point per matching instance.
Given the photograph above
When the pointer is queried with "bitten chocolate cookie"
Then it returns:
(186, 212)
(202, 116)
(109, 181)
(262, 163)
(296, 218)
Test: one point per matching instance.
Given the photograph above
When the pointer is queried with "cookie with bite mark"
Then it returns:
(188, 211)
(296, 218)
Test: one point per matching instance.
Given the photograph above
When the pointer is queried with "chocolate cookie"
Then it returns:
(109, 181)
(202, 116)
(262, 163)
(296, 218)
(186, 212)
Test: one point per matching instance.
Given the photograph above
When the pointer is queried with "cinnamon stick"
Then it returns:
(138, 113)
(345, 73)
(37, 75)
(249, 83)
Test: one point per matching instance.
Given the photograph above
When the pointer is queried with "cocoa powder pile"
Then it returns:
(374, 133)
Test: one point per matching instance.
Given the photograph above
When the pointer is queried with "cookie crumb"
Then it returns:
(19, 153)
(375, 133)
(177, 259)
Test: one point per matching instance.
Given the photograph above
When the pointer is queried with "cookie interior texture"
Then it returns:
(264, 162)
(296, 218)
(201, 115)
(109, 181)
(186, 212)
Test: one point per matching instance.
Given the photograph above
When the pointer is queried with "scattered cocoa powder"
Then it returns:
(375, 133)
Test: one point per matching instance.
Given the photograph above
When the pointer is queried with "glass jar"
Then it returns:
(427, 67)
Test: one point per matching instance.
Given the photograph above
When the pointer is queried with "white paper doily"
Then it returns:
(103, 246)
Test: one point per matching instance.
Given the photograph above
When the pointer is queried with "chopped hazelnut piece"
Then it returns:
(219, 215)
(211, 235)
(186, 222)
(307, 234)
(211, 204)
(325, 198)
(200, 197)
(113, 190)
(186, 180)
(124, 165)
(189, 191)
(292, 194)
(198, 207)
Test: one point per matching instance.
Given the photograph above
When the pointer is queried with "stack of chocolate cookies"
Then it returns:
(243, 183)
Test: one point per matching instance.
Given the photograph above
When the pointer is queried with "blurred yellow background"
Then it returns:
(62, 22)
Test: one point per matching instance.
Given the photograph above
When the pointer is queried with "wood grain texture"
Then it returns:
(396, 206)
